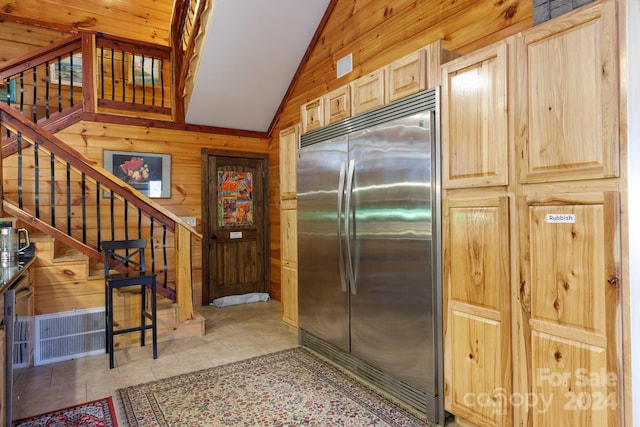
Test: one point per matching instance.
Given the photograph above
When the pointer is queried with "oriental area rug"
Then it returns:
(288, 388)
(98, 413)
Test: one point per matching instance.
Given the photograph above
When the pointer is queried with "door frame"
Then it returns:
(205, 153)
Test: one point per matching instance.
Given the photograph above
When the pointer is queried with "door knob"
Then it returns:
(212, 236)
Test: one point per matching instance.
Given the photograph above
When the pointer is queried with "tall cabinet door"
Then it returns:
(475, 143)
(567, 109)
(477, 271)
(571, 293)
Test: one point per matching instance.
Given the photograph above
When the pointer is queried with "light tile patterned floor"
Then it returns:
(232, 333)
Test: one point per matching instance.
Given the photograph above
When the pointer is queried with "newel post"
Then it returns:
(88, 73)
(184, 293)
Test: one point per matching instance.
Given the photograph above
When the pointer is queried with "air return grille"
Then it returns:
(69, 335)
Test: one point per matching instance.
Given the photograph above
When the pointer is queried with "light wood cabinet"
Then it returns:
(478, 326)
(475, 142)
(312, 115)
(337, 104)
(288, 225)
(406, 76)
(534, 121)
(289, 138)
(570, 265)
(567, 117)
(367, 92)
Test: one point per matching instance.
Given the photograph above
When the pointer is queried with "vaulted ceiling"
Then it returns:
(249, 58)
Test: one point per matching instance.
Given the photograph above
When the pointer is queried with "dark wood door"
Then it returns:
(235, 260)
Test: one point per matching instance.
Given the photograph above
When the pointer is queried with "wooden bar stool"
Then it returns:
(130, 254)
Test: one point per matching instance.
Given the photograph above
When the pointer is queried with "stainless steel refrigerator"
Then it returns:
(369, 264)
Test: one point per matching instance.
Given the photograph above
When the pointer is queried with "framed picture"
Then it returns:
(66, 70)
(8, 93)
(145, 70)
(149, 173)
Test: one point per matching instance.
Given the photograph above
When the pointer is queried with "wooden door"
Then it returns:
(288, 225)
(235, 225)
(478, 326)
(474, 119)
(567, 110)
(570, 293)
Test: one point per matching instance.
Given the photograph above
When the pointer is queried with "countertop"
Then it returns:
(9, 276)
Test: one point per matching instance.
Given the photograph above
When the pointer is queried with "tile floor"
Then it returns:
(232, 333)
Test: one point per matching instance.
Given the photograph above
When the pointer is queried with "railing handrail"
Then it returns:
(182, 56)
(92, 170)
(40, 56)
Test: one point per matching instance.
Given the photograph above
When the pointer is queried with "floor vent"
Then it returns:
(69, 335)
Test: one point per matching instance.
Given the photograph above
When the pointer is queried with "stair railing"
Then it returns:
(61, 192)
(90, 73)
(185, 26)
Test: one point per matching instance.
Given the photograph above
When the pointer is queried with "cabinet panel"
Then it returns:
(566, 265)
(568, 97)
(477, 364)
(474, 119)
(479, 253)
(289, 284)
(570, 287)
(368, 92)
(288, 151)
(289, 236)
(477, 270)
(312, 115)
(571, 385)
(406, 76)
(337, 104)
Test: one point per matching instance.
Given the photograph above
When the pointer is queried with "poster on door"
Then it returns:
(235, 198)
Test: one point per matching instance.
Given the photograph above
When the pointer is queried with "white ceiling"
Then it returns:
(251, 53)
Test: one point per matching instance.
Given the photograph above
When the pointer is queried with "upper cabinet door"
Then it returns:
(288, 152)
(474, 119)
(567, 107)
(407, 76)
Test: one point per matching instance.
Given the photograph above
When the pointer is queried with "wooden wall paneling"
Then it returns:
(337, 104)
(20, 39)
(568, 93)
(406, 76)
(474, 129)
(122, 19)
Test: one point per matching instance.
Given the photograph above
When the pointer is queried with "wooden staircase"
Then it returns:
(65, 279)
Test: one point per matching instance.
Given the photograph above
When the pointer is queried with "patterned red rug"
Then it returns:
(99, 413)
(287, 388)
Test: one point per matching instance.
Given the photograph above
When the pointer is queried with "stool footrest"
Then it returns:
(133, 329)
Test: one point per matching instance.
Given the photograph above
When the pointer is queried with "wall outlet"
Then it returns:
(189, 220)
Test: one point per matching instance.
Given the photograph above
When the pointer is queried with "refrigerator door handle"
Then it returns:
(347, 222)
(341, 266)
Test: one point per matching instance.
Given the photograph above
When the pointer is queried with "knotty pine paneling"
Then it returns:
(378, 32)
(143, 20)
(18, 39)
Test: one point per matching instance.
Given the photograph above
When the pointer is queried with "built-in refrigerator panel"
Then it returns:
(323, 301)
(391, 308)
